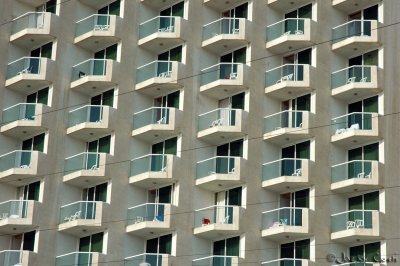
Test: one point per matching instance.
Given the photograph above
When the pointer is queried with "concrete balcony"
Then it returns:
(18, 216)
(151, 169)
(358, 175)
(355, 129)
(21, 167)
(33, 3)
(165, 31)
(288, 126)
(360, 81)
(286, 223)
(356, 35)
(216, 260)
(224, 79)
(159, 77)
(156, 123)
(214, 221)
(225, 33)
(286, 5)
(87, 168)
(150, 259)
(82, 258)
(29, 73)
(291, 34)
(149, 217)
(92, 76)
(351, 6)
(222, 124)
(90, 121)
(18, 257)
(289, 81)
(297, 262)
(356, 225)
(82, 216)
(33, 29)
(97, 32)
(220, 173)
(282, 174)
(24, 119)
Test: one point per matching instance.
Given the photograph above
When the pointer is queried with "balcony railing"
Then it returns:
(284, 119)
(285, 262)
(94, 22)
(149, 163)
(216, 165)
(282, 167)
(161, 69)
(221, 71)
(87, 113)
(151, 116)
(24, 65)
(82, 161)
(352, 121)
(15, 159)
(288, 72)
(216, 214)
(76, 258)
(361, 28)
(85, 210)
(352, 169)
(10, 257)
(352, 219)
(90, 67)
(289, 26)
(20, 111)
(221, 26)
(216, 260)
(13, 209)
(218, 117)
(153, 259)
(289, 216)
(157, 24)
(30, 20)
(146, 212)
(350, 75)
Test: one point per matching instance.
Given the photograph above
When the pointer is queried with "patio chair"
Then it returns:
(340, 131)
(351, 80)
(359, 223)
(26, 70)
(298, 32)
(225, 220)
(350, 224)
(361, 175)
(138, 219)
(297, 172)
(286, 33)
(232, 171)
(101, 27)
(233, 75)
(354, 127)
(235, 31)
(163, 120)
(364, 79)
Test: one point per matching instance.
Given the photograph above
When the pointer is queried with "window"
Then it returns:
(229, 63)
(361, 112)
(361, 208)
(367, 251)
(228, 106)
(296, 152)
(296, 250)
(34, 144)
(360, 160)
(174, 11)
(237, 12)
(227, 247)
(294, 64)
(161, 115)
(49, 6)
(294, 22)
(228, 198)
(226, 153)
(92, 243)
(359, 69)
(43, 51)
(161, 195)
(361, 21)
(159, 150)
(293, 118)
(41, 96)
(111, 9)
(96, 193)
(29, 192)
(158, 245)
(101, 145)
(164, 66)
(25, 241)
(108, 53)
(103, 99)
(291, 201)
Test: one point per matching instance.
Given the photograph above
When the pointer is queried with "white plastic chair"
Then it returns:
(364, 79)
(225, 220)
(359, 223)
(297, 172)
(232, 171)
(286, 33)
(162, 120)
(350, 224)
(101, 27)
(26, 70)
(351, 80)
(233, 75)
(361, 175)
(235, 31)
(298, 32)
(354, 127)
